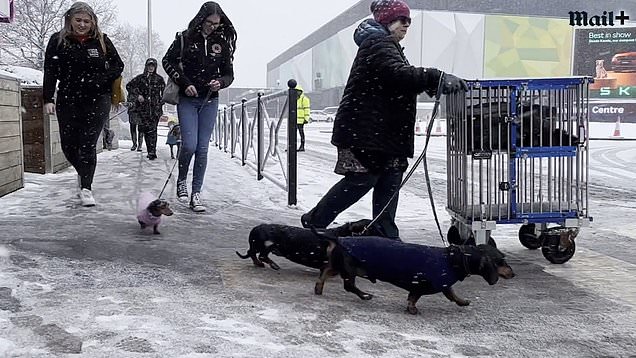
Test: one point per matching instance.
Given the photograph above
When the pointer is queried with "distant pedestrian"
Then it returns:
(174, 137)
(303, 110)
(208, 54)
(374, 125)
(133, 120)
(86, 64)
(146, 90)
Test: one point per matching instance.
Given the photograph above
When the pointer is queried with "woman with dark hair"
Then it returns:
(200, 62)
(86, 64)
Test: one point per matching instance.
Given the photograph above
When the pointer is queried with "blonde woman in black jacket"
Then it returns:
(208, 54)
(86, 64)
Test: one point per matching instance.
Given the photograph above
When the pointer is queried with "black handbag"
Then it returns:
(171, 92)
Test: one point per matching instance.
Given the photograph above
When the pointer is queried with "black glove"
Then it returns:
(453, 84)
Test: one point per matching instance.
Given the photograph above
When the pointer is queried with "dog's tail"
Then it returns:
(246, 256)
(331, 239)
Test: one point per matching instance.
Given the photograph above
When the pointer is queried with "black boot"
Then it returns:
(301, 148)
(140, 140)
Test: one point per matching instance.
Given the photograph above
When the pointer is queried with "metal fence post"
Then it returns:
(232, 130)
(260, 128)
(225, 129)
(244, 128)
(292, 157)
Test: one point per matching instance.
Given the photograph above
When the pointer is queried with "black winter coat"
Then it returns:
(83, 69)
(204, 60)
(151, 87)
(377, 110)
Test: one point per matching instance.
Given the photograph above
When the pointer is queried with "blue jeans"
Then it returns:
(196, 118)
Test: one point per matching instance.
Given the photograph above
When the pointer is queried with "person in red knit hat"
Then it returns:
(374, 128)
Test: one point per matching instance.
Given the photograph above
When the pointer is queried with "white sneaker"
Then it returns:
(195, 203)
(86, 196)
(182, 191)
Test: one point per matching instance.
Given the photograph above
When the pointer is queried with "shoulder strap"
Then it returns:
(181, 52)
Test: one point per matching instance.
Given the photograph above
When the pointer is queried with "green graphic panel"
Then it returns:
(526, 47)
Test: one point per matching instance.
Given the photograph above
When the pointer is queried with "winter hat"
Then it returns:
(387, 11)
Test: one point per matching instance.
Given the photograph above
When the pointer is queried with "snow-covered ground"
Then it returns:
(88, 281)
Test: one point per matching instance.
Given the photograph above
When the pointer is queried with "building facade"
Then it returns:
(472, 39)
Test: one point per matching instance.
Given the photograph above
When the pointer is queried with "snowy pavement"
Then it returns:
(87, 282)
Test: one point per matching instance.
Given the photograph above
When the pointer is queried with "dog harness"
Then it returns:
(423, 268)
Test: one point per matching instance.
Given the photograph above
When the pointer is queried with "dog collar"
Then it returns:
(461, 264)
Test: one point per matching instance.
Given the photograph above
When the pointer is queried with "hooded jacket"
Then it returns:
(377, 110)
(204, 58)
(150, 86)
(303, 107)
(83, 69)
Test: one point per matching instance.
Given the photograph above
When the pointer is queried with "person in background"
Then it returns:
(85, 62)
(173, 139)
(209, 43)
(303, 110)
(146, 90)
(374, 125)
(133, 120)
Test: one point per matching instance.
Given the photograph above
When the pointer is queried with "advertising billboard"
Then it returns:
(516, 46)
(608, 55)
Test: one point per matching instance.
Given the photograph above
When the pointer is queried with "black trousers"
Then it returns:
(352, 188)
(81, 121)
(149, 131)
(301, 131)
(136, 138)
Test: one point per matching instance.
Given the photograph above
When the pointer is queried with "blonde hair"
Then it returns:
(77, 8)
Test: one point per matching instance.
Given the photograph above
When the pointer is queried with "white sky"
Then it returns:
(265, 28)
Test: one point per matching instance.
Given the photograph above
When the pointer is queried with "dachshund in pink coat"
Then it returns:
(149, 211)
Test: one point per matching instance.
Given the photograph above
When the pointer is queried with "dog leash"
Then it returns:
(120, 112)
(205, 101)
(421, 158)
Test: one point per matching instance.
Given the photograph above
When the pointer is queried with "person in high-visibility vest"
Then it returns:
(303, 106)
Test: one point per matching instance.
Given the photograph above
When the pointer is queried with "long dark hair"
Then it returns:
(226, 30)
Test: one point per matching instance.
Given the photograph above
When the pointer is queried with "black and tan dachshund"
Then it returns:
(150, 210)
(487, 128)
(297, 244)
(419, 269)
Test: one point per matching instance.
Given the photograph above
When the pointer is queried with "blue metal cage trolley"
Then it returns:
(518, 154)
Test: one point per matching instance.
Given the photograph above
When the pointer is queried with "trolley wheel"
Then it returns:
(558, 247)
(528, 238)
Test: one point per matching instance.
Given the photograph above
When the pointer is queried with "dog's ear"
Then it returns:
(453, 236)
(488, 270)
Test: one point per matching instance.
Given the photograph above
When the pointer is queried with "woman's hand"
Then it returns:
(49, 108)
(215, 85)
(191, 91)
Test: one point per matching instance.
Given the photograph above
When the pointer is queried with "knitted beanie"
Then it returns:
(387, 11)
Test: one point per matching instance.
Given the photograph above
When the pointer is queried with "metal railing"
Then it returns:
(251, 131)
